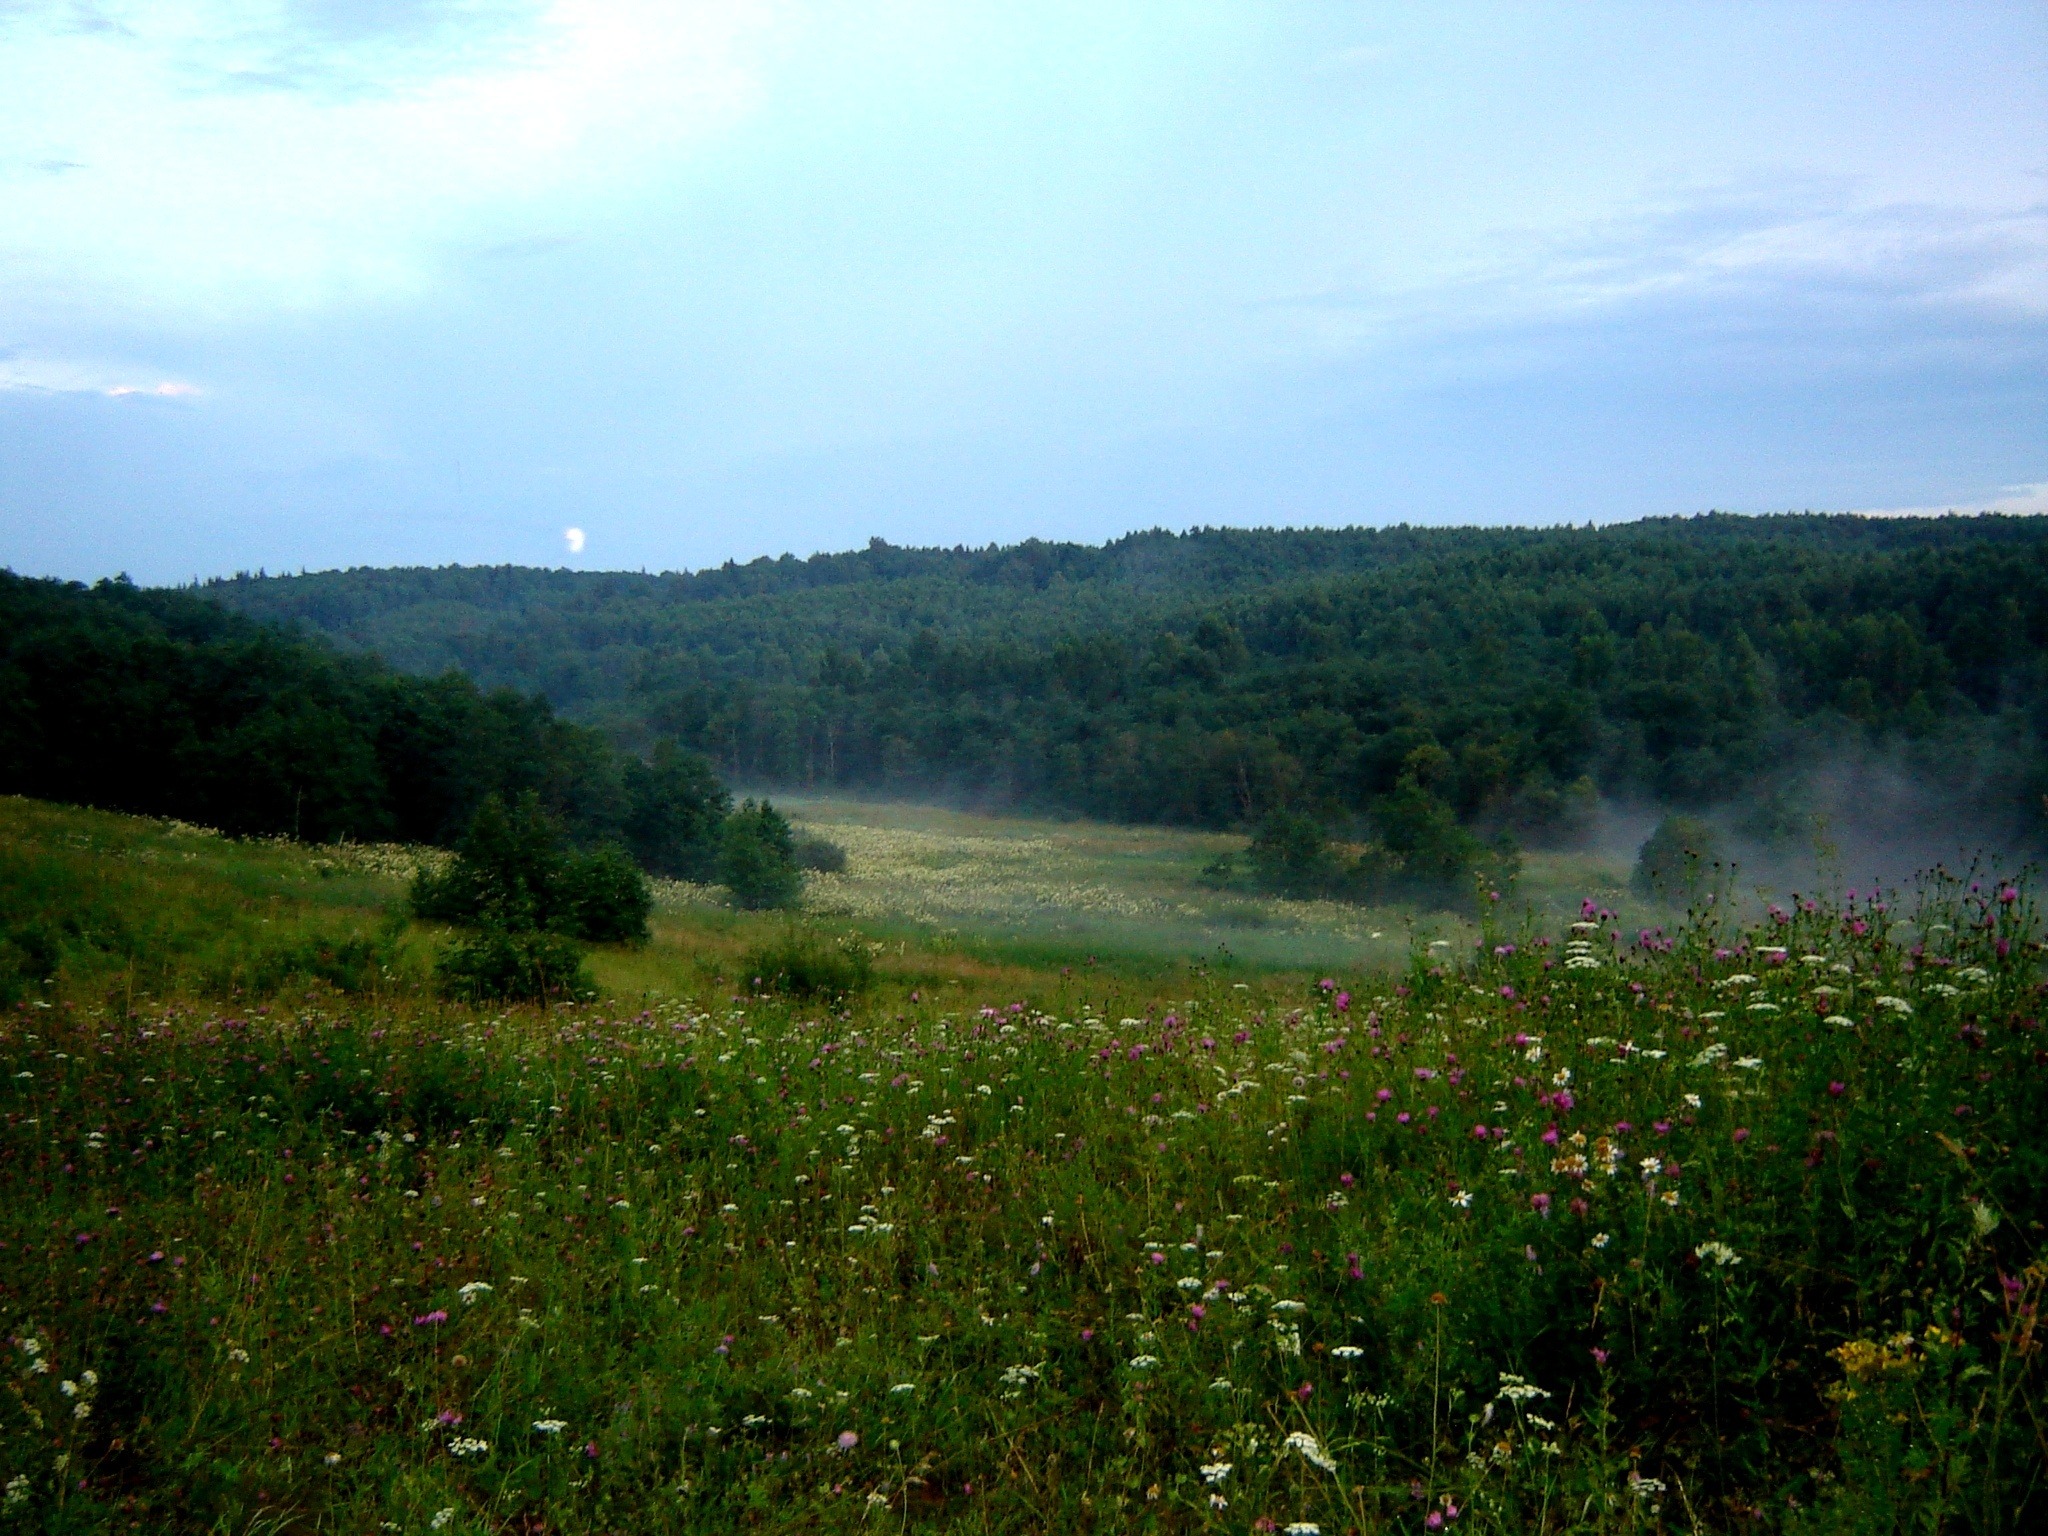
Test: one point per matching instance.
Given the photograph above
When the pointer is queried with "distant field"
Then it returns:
(1128, 891)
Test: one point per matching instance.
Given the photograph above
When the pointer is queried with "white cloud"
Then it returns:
(573, 537)
(2014, 500)
(1718, 244)
(84, 376)
(215, 175)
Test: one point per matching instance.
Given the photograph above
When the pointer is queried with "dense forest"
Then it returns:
(165, 704)
(1498, 676)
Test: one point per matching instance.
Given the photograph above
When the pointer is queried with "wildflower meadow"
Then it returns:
(1731, 1227)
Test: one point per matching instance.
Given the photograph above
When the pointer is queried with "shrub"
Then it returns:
(804, 963)
(819, 853)
(496, 964)
(1291, 855)
(504, 873)
(1676, 862)
(757, 857)
(511, 871)
(604, 898)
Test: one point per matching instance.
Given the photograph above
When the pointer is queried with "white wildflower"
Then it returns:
(1310, 1449)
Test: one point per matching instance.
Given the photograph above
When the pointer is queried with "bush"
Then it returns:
(1677, 862)
(511, 871)
(505, 871)
(804, 963)
(1291, 855)
(819, 853)
(604, 898)
(757, 857)
(498, 965)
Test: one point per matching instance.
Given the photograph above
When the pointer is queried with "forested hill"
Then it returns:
(1212, 676)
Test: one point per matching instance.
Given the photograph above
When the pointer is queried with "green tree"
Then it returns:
(1290, 854)
(674, 809)
(757, 857)
(604, 898)
(1676, 861)
(513, 873)
(505, 873)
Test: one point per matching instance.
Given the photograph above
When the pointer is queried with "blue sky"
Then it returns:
(336, 282)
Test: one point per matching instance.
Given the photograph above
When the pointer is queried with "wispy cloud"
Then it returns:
(35, 374)
(2013, 500)
(1724, 246)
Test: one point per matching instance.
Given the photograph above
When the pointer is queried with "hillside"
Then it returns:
(1207, 678)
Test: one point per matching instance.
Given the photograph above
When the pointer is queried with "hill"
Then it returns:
(1207, 678)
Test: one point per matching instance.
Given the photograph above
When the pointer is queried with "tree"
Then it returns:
(757, 857)
(512, 874)
(1291, 854)
(1677, 860)
(675, 807)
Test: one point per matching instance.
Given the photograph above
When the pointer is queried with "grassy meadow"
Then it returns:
(1043, 888)
(1553, 1225)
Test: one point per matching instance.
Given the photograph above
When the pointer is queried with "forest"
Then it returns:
(1500, 677)
(165, 704)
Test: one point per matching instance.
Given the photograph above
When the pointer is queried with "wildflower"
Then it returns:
(431, 1319)
(1719, 1252)
(441, 1518)
(1215, 1471)
(1144, 1362)
(1600, 1239)
(1310, 1450)
(469, 1447)
(1303, 1528)
(1347, 1352)
(847, 1440)
(17, 1491)
(549, 1426)
(470, 1292)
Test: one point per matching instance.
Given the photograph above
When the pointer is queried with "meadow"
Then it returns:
(1563, 1223)
(1046, 889)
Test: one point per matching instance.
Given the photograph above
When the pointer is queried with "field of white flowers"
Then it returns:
(1078, 885)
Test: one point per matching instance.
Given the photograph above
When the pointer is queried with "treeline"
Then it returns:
(164, 704)
(1376, 681)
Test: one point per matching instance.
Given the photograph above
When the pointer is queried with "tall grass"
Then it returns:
(1580, 1230)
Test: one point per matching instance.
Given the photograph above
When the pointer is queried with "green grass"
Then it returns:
(1002, 1249)
(1044, 891)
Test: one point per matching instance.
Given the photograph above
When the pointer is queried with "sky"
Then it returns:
(298, 284)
